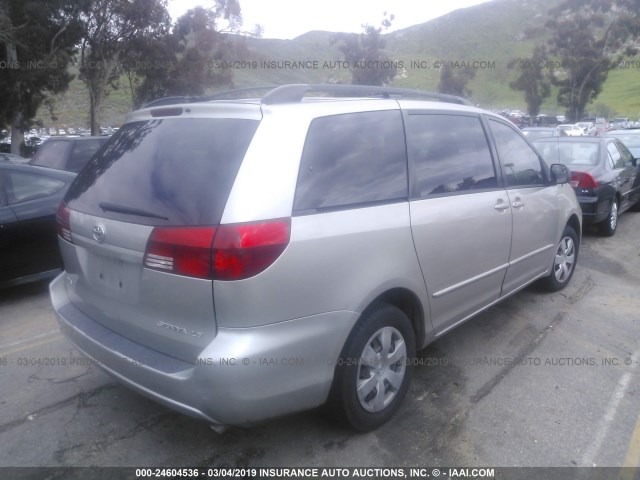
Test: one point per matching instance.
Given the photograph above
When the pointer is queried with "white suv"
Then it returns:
(237, 260)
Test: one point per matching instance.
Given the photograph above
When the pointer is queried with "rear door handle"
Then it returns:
(501, 205)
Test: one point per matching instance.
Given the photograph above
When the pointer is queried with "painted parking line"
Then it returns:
(589, 457)
(29, 339)
(29, 343)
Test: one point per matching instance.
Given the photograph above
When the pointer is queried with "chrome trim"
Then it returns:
(531, 254)
(489, 305)
(490, 272)
(469, 281)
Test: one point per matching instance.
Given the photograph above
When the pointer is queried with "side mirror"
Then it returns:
(559, 174)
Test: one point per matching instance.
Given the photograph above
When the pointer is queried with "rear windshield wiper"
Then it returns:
(112, 207)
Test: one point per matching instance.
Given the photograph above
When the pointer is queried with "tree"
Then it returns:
(455, 83)
(533, 80)
(603, 110)
(112, 28)
(365, 55)
(185, 62)
(588, 37)
(38, 39)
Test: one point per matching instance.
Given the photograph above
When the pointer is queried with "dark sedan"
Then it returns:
(604, 176)
(29, 198)
(630, 138)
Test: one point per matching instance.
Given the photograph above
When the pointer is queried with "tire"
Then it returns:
(609, 226)
(564, 261)
(372, 375)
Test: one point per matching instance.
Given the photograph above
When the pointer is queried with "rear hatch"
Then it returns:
(137, 225)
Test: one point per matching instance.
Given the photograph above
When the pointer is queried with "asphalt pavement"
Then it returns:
(538, 380)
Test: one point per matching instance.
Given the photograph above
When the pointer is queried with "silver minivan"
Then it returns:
(237, 260)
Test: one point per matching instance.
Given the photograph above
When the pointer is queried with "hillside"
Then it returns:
(489, 34)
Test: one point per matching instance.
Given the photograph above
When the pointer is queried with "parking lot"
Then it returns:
(539, 380)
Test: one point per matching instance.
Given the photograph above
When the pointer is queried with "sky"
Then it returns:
(288, 19)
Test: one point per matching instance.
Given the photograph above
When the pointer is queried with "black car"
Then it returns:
(604, 175)
(29, 199)
(630, 138)
(67, 153)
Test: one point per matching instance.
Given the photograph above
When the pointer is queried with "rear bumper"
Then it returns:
(594, 210)
(243, 376)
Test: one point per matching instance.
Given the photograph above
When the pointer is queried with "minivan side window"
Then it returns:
(352, 159)
(450, 154)
(521, 164)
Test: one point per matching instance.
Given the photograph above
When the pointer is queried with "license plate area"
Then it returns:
(114, 278)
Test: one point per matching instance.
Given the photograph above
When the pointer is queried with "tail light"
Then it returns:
(227, 252)
(244, 250)
(180, 250)
(583, 180)
(63, 222)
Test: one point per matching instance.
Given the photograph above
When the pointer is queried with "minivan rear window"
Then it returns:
(164, 171)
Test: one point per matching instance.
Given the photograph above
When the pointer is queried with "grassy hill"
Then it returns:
(491, 34)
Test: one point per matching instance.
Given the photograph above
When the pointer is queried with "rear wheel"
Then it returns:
(373, 373)
(609, 226)
(564, 262)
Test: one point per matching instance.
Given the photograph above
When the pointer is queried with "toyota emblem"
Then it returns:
(98, 233)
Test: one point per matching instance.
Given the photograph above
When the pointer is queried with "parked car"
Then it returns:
(620, 123)
(603, 173)
(571, 130)
(594, 119)
(333, 236)
(29, 198)
(546, 121)
(12, 157)
(589, 128)
(69, 153)
(630, 138)
(602, 127)
(533, 133)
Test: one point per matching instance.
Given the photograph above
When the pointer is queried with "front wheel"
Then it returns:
(373, 373)
(564, 262)
(609, 226)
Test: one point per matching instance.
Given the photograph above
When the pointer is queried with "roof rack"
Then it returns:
(294, 93)
(238, 93)
(170, 101)
(226, 95)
